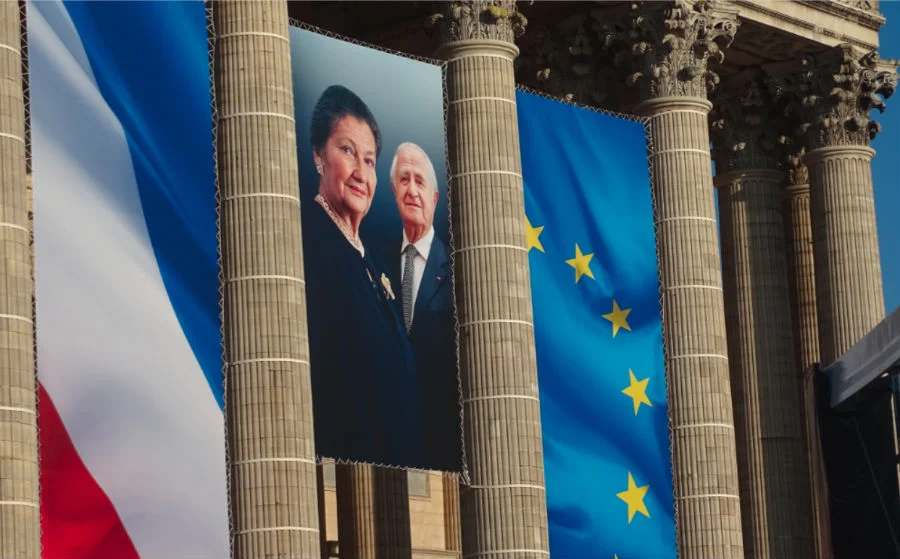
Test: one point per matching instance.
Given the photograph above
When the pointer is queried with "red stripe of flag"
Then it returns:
(78, 521)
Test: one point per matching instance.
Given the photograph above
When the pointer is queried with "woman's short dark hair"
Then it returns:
(335, 103)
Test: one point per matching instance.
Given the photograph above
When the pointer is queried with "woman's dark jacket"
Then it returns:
(365, 396)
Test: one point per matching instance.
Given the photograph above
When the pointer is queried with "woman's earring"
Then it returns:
(319, 167)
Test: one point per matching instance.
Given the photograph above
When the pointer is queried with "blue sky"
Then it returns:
(886, 166)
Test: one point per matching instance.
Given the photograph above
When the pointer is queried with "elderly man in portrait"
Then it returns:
(419, 262)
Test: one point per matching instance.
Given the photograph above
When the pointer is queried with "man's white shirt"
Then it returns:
(423, 248)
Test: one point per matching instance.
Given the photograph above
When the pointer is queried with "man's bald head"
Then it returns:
(415, 189)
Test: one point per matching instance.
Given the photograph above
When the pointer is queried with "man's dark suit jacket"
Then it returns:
(433, 340)
(365, 393)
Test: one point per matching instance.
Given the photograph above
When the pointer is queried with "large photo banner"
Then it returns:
(129, 351)
(376, 247)
(598, 332)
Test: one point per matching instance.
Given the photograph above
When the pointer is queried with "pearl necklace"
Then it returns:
(354, 240)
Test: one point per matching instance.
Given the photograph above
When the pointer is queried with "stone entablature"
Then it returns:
(826, 22)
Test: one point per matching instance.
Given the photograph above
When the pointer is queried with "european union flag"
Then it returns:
(598, 332)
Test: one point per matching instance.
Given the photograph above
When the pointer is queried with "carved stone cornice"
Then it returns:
(768, 8)
(835, 93)
(746, 128)
(668, 48)
(496, 20)
(864, 12)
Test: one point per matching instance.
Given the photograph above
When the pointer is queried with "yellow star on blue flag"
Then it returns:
(637, 391)
(581, 263)
(618, 317)
(533, 235)
(634, 498)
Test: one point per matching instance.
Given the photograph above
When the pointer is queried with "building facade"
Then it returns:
(766, 103)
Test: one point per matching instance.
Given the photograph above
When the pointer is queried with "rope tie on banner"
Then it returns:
(14, 226)
(290, 197)
(496, 321)
(270, 360)
(507, 486)
(10, 48)
(486, 55)
(507, 553)
(670, 111)
(694, 286)
(500, 397)
(699, 356)
(478, 247)
(483, 98)
(17, 409)
(255, 34)
(19, 139)
(29, 320)
(707, 496)
(289, 118)
(485, 172)
(702, 425)
(686, 218)
(265, 277)
(277, 529)
(705, 152)
(273, 460)
(19, 504)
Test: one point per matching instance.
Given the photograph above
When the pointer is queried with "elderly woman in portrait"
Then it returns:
(363, 372)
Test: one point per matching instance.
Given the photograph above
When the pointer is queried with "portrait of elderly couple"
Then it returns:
(381, 323)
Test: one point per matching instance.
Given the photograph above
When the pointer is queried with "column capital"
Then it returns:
(818, 154)
(797, 190)
(668, 48)
(493, 20)
(566, 60)
(745, 127)
(794, 163)
(835, 93)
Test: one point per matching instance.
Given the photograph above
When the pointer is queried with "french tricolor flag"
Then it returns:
(128, 330)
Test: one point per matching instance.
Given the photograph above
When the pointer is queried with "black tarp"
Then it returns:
(868, 359)
(858, 436)
(861, 468)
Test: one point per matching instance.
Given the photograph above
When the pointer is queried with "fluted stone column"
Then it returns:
(452, 535)
(845, 241)
(840, 91)
(802, 278)
(373, 512)
(801, 266)
(20, 532)
(836, 90)
(392, 521)
(268, 399)
(355, 488)
(320, 500)
(504, 511)
(665, 50)
(774, 480)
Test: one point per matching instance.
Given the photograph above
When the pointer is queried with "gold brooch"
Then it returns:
(387, 286)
